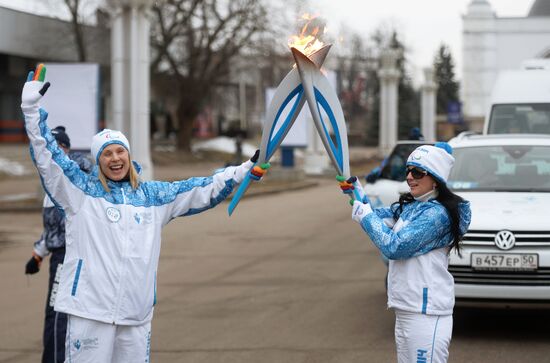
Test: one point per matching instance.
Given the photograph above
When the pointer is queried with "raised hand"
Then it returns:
(34, 87)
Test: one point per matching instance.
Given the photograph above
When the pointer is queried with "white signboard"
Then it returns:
(73, 101)
(297, 136)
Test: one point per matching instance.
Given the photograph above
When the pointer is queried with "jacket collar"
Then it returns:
(116, 184)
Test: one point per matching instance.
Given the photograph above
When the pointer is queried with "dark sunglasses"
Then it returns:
(416, 172)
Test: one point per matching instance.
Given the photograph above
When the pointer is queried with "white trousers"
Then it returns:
(422, 338)
(90, 341)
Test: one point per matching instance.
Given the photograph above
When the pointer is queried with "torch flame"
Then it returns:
(307, 42)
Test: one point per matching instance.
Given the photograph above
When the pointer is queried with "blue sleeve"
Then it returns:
(195, 195)
(429, 230)
(465, 217)
(61, 177)
(384, 213)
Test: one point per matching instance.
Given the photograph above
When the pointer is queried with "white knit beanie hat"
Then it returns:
(435, 159)
(105, 138)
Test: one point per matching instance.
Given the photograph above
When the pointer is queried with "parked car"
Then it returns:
(505, 254)
(385, 183)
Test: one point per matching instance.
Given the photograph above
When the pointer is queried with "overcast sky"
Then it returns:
(424, 24)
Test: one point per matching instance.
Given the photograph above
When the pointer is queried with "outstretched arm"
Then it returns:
(428, 231)
(60, 176)
(195, 195)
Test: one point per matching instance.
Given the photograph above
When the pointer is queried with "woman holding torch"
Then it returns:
(113, 229)
(416, 234)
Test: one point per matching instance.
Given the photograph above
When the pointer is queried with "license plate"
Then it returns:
(508, 261)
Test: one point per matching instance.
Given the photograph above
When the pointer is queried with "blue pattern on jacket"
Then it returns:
(148, 194)
(427, 226)
(53, 217)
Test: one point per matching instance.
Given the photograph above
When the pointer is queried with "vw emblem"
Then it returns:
(505, 240)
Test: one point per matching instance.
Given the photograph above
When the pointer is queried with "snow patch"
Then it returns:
(224, 144)
(12, 167)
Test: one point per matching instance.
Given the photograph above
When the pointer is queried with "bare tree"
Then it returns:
(77, 15)
(76, 24)
(355, 61)
(194, 42)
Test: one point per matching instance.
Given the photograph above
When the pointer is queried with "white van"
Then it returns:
(520, 100)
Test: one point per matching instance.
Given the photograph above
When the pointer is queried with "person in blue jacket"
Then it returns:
(52, 242)
(416, 234)
(113, 225)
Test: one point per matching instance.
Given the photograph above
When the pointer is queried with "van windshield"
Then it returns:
(524, 118)
(513, 168)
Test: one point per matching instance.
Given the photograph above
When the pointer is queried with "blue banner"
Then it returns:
(454, 112)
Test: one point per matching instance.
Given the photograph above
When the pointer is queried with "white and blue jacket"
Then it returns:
(53, 236)
(113, 239)
(417, 245)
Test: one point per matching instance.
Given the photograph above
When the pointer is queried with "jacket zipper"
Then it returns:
(124, 247)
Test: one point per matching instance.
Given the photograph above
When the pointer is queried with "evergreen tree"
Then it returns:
(409, 98)
(447, 86)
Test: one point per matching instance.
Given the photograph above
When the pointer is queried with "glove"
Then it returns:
(35, 87)
(255, 157)
(33, 265)
(258, 172)
(346, 185)
(359, 211)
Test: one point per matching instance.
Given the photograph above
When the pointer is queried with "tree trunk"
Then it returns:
(187, 112)
(80, 44)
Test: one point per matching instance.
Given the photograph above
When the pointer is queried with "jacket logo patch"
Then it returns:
(86, 344)
(143, 218)
(113, 214)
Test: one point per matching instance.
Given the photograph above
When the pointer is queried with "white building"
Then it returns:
(492, 44)
(27, 39)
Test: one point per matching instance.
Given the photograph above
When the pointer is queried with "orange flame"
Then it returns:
(307, 42)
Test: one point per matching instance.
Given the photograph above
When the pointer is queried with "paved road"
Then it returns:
(289, 278)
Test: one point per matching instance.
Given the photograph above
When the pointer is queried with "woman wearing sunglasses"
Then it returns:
(416, 234)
